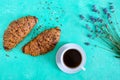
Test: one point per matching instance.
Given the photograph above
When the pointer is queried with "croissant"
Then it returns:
(43, 43)
(17, 30)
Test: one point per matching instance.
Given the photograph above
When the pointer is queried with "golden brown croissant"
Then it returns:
(43, 43)
(17, 30)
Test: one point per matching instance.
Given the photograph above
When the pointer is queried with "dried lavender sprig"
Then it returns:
(113, 31)
(116, 37)
(81, 17)
(93, 19)
(89, 35)
(108, 15)
(105, 10)
(113, 41)
(109, 45)
(87, 43)
(99, 20)
(111, 7)
(107, 32)
(109, 39)
(94, 9)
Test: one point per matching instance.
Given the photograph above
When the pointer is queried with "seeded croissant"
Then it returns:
(43, 43)
(17, 30)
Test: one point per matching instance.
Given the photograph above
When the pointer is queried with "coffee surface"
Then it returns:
(72, 58)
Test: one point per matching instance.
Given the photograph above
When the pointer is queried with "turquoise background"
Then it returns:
(100, 65)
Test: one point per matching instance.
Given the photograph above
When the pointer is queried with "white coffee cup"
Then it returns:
(62, 65)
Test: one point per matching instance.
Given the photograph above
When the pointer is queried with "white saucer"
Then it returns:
(59, 58)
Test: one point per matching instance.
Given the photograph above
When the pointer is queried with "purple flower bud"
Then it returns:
(110, 22)
(89, 35)
(108, 15)
(94, 9)
(81, 17)
(105, 10)
(92, 19)
(111, 7)
(99, 20)
(87, 43)
(100, 32)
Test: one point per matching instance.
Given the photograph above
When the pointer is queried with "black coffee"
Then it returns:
(72, 58)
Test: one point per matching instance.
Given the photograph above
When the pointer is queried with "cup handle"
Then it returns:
(84, 69)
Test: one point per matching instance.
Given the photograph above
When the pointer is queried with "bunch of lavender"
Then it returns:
(105, 30)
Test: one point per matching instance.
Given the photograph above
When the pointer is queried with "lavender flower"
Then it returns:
(111, 7)
(99, 20)
(87, 43)
(94, 9)
(108, 15)
(102, 30)
(81, 17)
(110, 22)
(89, 35)
(105, 10)
(92, 19)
